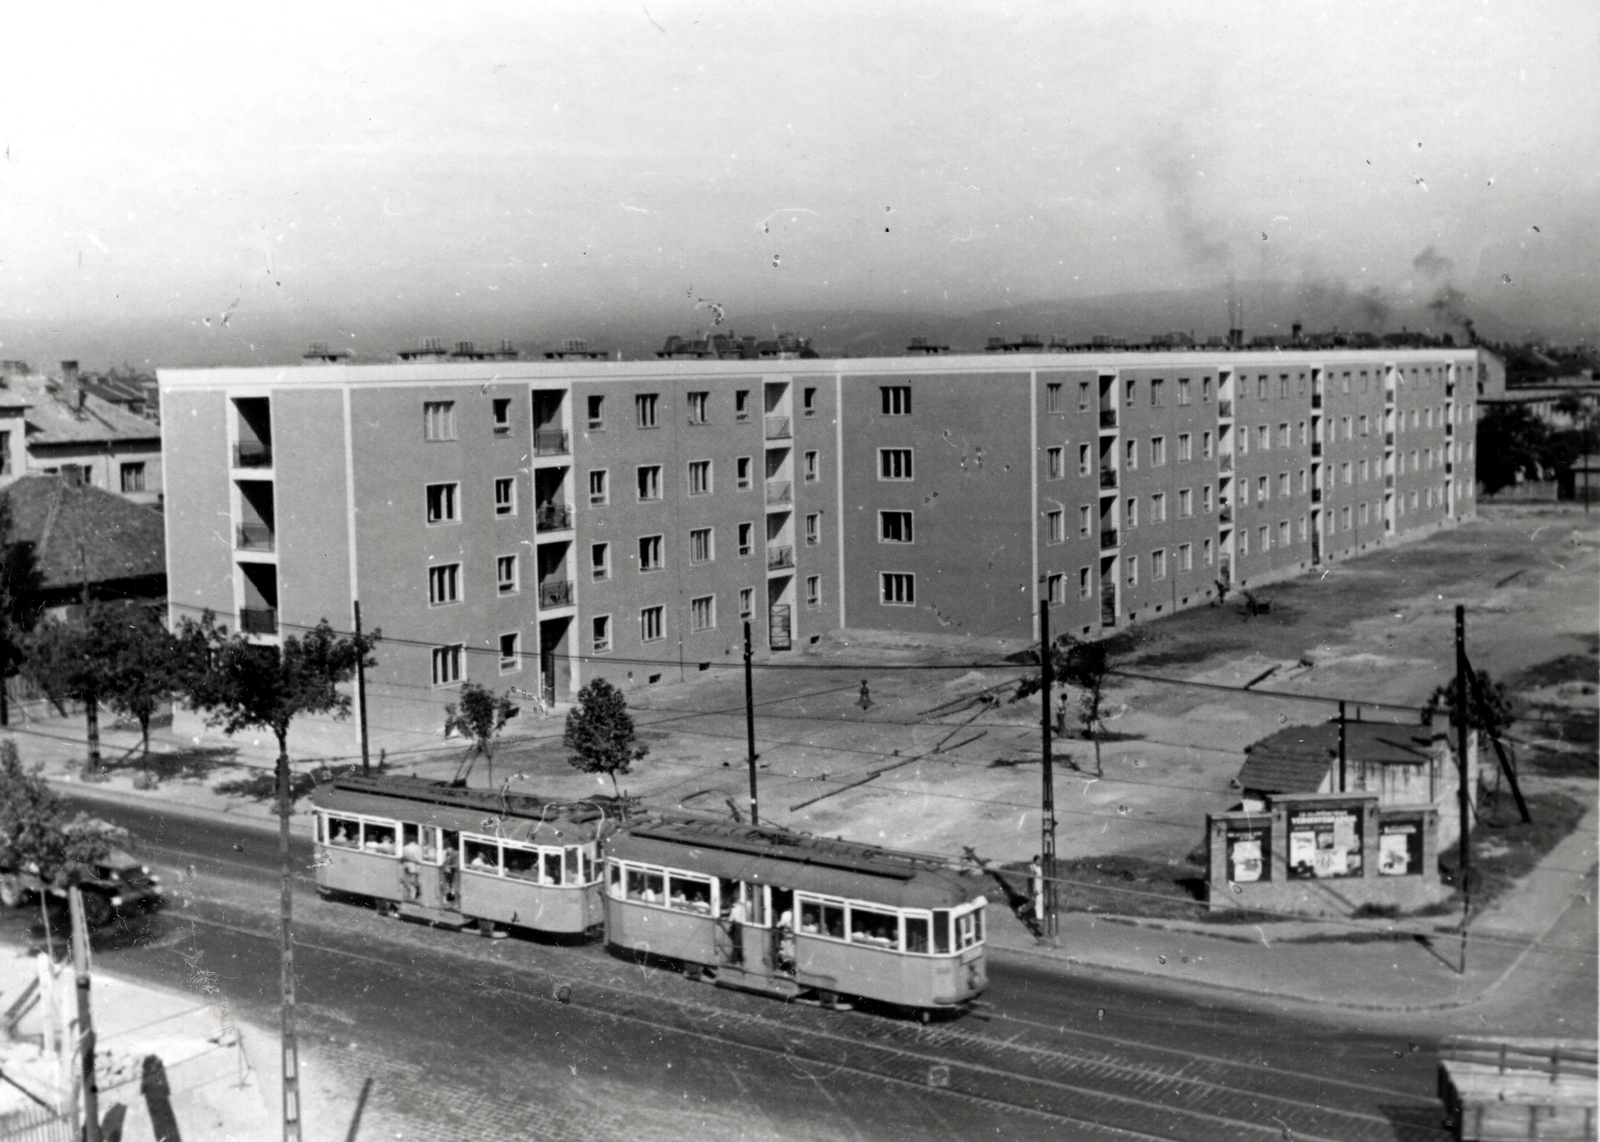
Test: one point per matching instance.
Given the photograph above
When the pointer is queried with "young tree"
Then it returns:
(600, 732)
(19, 587)
(1086, 665)
(149, 665)
(35, 834)
(70, 659)
(1491, 716)
(479, 715)
(1511, 439)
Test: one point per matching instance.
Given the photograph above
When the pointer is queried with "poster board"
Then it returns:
(1248, 851)
(1400, 846)
(1324, 842)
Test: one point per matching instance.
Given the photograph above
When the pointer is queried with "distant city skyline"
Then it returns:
(214, 189)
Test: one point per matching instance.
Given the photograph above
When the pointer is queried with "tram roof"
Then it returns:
(762, 855)
(516, 816)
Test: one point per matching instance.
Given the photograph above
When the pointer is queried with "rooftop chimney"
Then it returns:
(69, 374)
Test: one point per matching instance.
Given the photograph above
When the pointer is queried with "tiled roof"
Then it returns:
(52, 419)
(1296, 759)
(82, 533)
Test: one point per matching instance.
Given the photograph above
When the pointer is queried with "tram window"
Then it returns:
(588, 865)
(811, 917)
(378, 838)
(880, 929)
(833, 920)
(522, 864)
(409, 835)
(755, 904)
(727, 897)
(431, 851)
(977, 925)
(968, 930)
(344, 832)
(616, 879)
(691, 895)
(645, 886)
(482, 856)
(917, 934)
(941, 932)
(552, 866)
(571, 856)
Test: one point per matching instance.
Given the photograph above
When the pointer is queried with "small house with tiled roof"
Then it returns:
(58, 426)
(1404, 764)
(83, 539)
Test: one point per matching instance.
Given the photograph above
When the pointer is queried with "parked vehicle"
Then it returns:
(118, 885)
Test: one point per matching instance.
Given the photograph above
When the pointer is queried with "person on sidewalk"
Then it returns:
(1036, 889)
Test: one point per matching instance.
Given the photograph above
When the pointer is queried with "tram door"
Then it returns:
(780, 949)
(428, 889)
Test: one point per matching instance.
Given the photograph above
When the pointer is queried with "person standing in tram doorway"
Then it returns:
(1036, 886)
(452, 862)
(411, 870)
(736, 932)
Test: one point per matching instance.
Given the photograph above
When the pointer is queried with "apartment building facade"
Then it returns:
(537, 524)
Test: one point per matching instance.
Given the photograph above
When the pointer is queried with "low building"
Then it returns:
(83, 541)
(1581, 481)
(59, 426)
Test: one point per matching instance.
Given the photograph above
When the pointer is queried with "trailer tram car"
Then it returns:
(429, 851)
(807, 918)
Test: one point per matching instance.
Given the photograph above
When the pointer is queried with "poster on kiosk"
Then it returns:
(1324, 843)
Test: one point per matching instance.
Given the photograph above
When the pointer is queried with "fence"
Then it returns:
(36, 1124)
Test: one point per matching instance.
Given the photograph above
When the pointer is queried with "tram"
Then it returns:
(446, 855)
(800, 917)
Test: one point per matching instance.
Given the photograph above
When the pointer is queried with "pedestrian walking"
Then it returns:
(865, 701)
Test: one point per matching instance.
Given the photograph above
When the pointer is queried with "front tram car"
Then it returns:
(765, 909)
(448, 855)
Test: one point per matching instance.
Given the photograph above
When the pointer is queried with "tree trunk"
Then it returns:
(488, 761)
(615, 792)
(144, 732)
(91, 714)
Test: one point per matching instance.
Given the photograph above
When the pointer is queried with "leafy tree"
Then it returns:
(1510, 440)
(149, 664)
(34, 832)
(20, 581)
(600, 733)
(480, 715)
(70, 658)
(1086, 665)
(1491, 716)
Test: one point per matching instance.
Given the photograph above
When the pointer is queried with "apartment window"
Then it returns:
(1083, 395)
(444, 584)
(1205, 445)
(896, 400)
(1244, 440)
(1261, 388)
(1283, 533)
(1364, 516)
(897, 590)
(741, 404)
(132, 474)
(1302, 433)
(1133, 512)
(1185, 557)
(439, 420)
(1053, 590)
(813, 590)
(505, 574)
(1302, 529)
(1185, 503)
(1083, 460)
(1244, 541)
(1264, 438)
(1349, 433)
(895, 527)
(697, 407)
(1427, 419)
(1155, 391)
(600, 634)
(808, 402)
(1133, 570)
(597, 416)
(1085, 584)
(1052, 398)
(1185, 447)
(1205, 390)
(813, 529)
(1244, 493)
(1085, 521)
(1302, 481)
(650, 553)
(811, 467)
(1128, 394)
(600, 560)
(650, 625)
(699, 478)
(1131, 456)
(1283, 386)
(650, 482)
(1158, 508)
(447, 664)
(747, 602)
(1205, 552)
(1052, 464)
(746, 538)
(442, 503)
(1413, 418)
(1414, 466)
(703, 613)
(1053, 529)
(510, 653)
(1264, 538)
(1363, 424)
(1344, 518)
(502, 416)
(505, 495)
(1205, 499)
(1262, 491)
(1283, 484)
(894, 463)
(1183, 390)
(1364, 471)
(1346, 471)
(1283, 435)
(597, 486)
(644, 410)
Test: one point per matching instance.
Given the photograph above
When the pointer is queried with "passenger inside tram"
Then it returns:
(380, 839)
(879, 929)
(691, 895)
(522, 864)
(338, 836)
(645, 887)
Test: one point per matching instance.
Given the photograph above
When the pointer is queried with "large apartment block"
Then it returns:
(537, 524)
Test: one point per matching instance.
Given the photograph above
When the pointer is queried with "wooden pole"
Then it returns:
(361, 692)
(291, 1054)
(750, 725)
(1463, 794)
(1049, 922)
(86, 1047)
(1341, 748)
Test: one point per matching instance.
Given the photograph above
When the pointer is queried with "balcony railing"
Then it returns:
(1225, 513)
(550, 442)
(258, 620)
(1316, 495)
(1225, 462)
(255, 537)
(252, 454)
(779, 557)
(1108, 538)
(555, 593)
(552, 517)
(1225, 409)
(778, 491)
(1316, 448)
(1449, 468)
(1388, 439)
(1108, 418)
(1449, 428)
(1388, 481)
(778, 428)
(1108, 478)
(1316, 400)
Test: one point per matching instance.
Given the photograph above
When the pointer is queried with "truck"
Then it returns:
(118, 884)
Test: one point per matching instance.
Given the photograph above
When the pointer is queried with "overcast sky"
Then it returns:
(552, 161)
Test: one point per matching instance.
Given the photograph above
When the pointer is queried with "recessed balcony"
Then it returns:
(552, 517)
(555, 593)
(550, 442)
(777, 428)
(779, 492)
(1108, 538)
(255, 537)
(780, 557)
(258, 620)
(252, 454)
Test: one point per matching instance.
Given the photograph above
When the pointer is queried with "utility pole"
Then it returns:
(291, 1053)
(1463, 795)
(1341, 748)
(361, 693)
(1049, 922)
(750, 725)
(80, 964)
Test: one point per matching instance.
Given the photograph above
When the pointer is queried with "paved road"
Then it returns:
(468, 1036)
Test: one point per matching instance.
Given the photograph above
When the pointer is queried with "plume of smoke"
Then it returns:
(1449, 303)
(1172, 166)
(1432, 264)
(1332, 301)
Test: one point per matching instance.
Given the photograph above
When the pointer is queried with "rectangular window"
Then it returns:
(1302, 433)
(746, 538)
(1083, 395)
(650, 553)
(1244, 440)
(1283, 533)
(741, 404)
(898, 590)
(132, 474)
(1262, 491)
(808, 402)
(1185, 557)
(597, 487)
(1283, 484)
(703, 613)
(505, 574)
(1283, 435)
(502, 416)
(650, 625)
(697, 407)
(1283, 386)
(1205, 445)
(1155, 391)
(747, 603)
(1183, 390)
(1085, 521)
(444, 584)
(650, 482)
(1261, 388)
(447, 665)
(1085, 584)
(1185, 503)
(1264, 538)
(1244, 541)
(1052, 397)
(1083, 460)
(439, 420)
(1158, 451)
(1128, 394)
(741, 468)
(1054, 531)
(1054, 589)
(1205, 499)
(1346, 472)
(699, 478)
(1302, 481)
(600, 634)
(1205, 552)
(644, 410)
(1052, 464)
(896, 400)
(442, 506)
(1158, 508)
(811, 467)
(813, 528)
(813, 590)
(1264, 438)
(894, 463)
(1349, 433)
(505, 495)
(1133, 570)
(1363, 515)
(510, 653)
(1302, 529)
(1133, 512)
(600, 560)
(597, 413)
(1185, 447)
(1205, 390)
(1131, 456)
(1364, 471)
(1363, 424)
(1344, 518)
